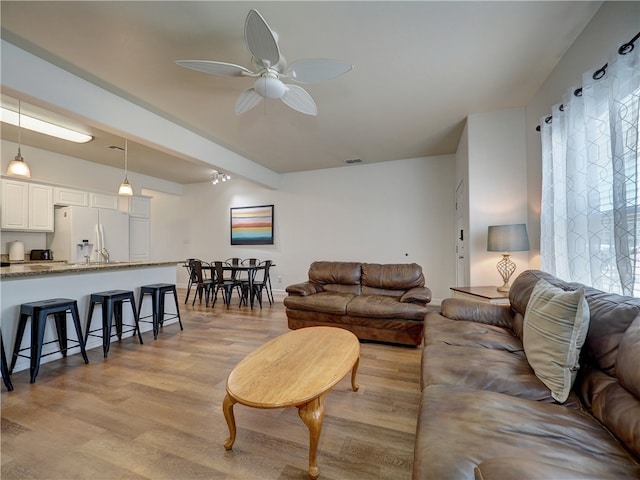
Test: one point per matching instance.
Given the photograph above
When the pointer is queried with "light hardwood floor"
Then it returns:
(154, 411)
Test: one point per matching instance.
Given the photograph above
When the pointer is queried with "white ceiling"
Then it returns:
(419, 69)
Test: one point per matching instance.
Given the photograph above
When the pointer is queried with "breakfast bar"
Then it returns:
(28, 282)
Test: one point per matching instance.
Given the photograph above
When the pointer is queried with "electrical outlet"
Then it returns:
(279, 278)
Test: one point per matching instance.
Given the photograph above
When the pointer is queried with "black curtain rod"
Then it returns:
(598, 74)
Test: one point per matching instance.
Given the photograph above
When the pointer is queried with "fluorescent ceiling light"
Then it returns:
(40, 126)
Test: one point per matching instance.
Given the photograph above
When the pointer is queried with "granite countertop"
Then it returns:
(30, 269)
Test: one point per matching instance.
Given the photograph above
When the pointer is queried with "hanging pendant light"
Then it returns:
(18, 167)
(125, 187)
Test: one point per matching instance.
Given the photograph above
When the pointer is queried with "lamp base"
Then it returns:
(506, 268)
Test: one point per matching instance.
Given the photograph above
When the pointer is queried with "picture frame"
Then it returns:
(252, 225)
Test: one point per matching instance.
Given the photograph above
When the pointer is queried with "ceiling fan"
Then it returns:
(271, 69)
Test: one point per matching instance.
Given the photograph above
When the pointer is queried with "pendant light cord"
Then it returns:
(19, 126)
(126, 151)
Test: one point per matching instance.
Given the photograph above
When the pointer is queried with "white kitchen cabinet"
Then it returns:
(40, 208)
(103, 200)
(15, 205)
(140, 207)
(26, 206)
(69, 197)
(139, 241)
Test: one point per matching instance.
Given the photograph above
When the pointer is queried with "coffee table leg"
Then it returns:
(354, 370)
(312, 415)
(227, 409)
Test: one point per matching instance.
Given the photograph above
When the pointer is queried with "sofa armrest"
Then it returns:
(469, 310)
(419, 295)
(303, 289)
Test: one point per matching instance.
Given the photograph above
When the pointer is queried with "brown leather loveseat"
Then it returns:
(376, 302)
(485, 413)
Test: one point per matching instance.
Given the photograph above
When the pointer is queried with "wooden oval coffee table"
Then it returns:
(296, 369)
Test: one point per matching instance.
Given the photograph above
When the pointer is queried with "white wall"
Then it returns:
(391, 212)
(615, 23)
(497, 187)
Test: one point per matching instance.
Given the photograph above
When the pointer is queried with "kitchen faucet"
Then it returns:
(105, 254)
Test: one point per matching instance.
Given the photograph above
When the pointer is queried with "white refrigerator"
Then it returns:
(81, 233)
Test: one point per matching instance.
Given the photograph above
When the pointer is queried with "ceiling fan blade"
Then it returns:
(247, 100)
(218, 68)
(297, 98)
(261, 41)
(315, 70)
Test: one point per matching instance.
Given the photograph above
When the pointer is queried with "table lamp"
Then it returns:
(505, 239)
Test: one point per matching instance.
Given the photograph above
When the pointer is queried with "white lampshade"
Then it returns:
(18, 167)
(125, 188)
(270, 87)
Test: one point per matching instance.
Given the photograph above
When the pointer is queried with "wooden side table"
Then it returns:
(481, 294)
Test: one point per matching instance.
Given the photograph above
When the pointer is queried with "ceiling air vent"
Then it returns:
(353, 161)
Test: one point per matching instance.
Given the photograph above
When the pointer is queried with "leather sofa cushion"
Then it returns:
(527, 468)
(400, 276)
(339, 288)
(611, 316)
(477, 312)
(344, 273)
(614, 406)
(484, 369)
(323, 302)
(382, 306)
(439, 329)
(628, 364)
(459, 428)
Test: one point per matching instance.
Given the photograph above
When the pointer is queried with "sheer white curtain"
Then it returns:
(590, 229)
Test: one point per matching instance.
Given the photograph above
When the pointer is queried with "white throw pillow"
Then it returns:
(555, 328)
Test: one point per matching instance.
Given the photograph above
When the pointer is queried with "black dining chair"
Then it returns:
(234, 262)
(226, 284)
(192, 277)
(261, 282)
(202, 283)
(244, 277)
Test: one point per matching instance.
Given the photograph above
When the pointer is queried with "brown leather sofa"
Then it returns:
(376, 302)
(485, 414)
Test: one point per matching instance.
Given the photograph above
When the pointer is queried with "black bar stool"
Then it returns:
(158, 316)
(39, 312)
(111, 302)
(4, 368)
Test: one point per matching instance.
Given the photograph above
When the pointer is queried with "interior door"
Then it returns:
(461, 240)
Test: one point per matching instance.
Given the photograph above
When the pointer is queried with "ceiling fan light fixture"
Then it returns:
(270, 87)
(271, 66)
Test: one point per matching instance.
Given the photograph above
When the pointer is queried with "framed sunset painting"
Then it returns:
(252, 225)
